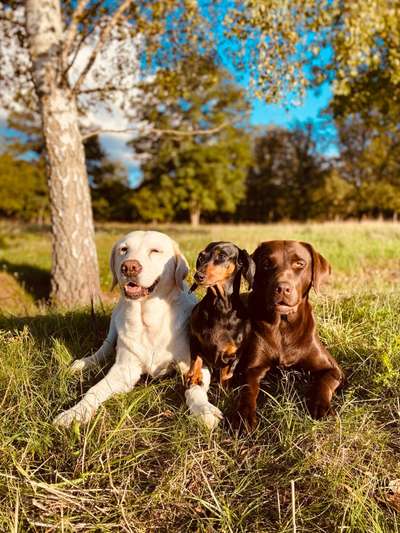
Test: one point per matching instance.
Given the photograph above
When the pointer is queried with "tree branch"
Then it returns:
(106, 88)
(105, 32)
(173, 133)
(72, 31)
(77, 50)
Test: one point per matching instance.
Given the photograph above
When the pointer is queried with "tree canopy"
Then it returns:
(198, 172)
(155, 65)
(23, 189)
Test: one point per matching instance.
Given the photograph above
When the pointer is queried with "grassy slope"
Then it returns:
(144, 465)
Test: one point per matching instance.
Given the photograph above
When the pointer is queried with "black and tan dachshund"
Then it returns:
(219, 323)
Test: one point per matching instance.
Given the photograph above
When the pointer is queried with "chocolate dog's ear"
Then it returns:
(321, 269)
(247, 266)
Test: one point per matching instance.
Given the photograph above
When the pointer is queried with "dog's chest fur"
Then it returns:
(218, 327)
(286, 343)
(155, 333)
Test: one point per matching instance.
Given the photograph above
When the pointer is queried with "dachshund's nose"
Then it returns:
(131, 267)
(283, 288)
(199, 276)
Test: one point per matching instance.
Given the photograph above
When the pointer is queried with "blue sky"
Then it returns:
(262, 115)
(314, 102)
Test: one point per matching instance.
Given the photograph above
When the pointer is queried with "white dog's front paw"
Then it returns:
(79, 365)
(209, 415)
(199, 406)
(81, 412)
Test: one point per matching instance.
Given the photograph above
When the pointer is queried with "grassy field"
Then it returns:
(144, 465)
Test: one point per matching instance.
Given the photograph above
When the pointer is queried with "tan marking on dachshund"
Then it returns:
(193, 377)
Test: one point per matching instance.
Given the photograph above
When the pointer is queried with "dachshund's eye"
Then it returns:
(201, 257)
(123, 250)
(299, 264)
(221, 256)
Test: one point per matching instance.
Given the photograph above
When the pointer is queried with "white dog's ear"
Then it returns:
(181, 267)
(112, 267)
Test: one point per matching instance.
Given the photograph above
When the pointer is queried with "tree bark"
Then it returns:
(195, 216)
(75, 273)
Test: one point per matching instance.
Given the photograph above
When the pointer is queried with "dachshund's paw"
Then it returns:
(82, 412)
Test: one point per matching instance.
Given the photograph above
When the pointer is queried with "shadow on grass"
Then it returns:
(81, 333)
(34, 280)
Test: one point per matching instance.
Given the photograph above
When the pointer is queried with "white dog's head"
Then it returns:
(144, 262)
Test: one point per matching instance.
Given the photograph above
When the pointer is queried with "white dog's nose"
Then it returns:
(131, 267)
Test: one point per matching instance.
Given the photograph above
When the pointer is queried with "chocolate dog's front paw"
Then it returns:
(245, 419)
(319, 409)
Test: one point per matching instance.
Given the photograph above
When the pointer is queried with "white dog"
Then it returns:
(149, 326)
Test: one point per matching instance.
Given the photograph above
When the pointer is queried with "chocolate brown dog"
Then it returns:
(220, 322)
(283, 326)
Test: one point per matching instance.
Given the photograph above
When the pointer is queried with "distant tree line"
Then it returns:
(271, 176)
(237, 173)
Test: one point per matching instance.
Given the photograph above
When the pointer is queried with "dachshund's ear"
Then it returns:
(247, 266)
(181, 267)
(112, 267)
(321, 269)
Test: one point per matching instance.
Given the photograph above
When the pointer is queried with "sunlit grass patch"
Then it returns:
(143, 464)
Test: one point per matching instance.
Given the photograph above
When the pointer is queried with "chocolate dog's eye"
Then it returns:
(123, 250)
(299, 264)
(268, 265)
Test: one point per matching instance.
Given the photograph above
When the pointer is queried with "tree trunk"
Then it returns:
(75, 274)
(195, 216)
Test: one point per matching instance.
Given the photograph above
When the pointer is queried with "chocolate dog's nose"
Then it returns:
(283, 288)
(199, 276)
(131, 267)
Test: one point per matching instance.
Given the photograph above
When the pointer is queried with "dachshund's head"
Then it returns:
(220, 263)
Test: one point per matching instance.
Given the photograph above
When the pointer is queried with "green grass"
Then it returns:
(143, 464)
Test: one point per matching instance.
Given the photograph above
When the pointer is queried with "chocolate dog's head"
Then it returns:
(285, 273)
(220, 262)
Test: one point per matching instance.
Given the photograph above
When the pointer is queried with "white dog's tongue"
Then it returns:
(135, 291)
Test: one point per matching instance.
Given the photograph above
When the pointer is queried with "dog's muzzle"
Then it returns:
(134, 291)
(284, 309)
